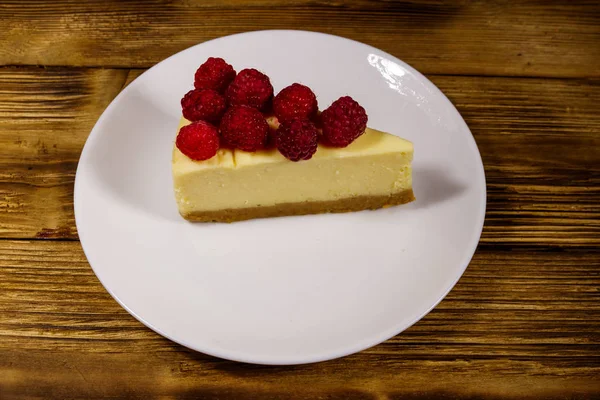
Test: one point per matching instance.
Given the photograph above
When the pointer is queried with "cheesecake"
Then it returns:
(372, 172)
(242, 152)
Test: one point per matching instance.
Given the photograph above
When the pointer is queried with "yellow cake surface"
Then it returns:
(372, 172)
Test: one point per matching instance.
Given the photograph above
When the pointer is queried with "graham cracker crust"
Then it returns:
(358, 203)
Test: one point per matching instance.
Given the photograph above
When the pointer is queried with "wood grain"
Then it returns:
(522, 323)
(45, 117)
(526, 38)
(516, 320)
(538, 139)
(539, 142)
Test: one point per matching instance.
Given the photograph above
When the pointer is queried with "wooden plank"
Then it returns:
(526, 38)
(45, 117)
(62, 335)
(188, 375)
(538, 140)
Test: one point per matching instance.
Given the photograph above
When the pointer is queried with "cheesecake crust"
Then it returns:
(357, 203)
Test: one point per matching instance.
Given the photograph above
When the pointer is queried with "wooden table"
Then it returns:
(524, 320)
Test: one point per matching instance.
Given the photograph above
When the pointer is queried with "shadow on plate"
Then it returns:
(433, 185)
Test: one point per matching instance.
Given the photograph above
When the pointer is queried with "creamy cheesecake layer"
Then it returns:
(376, 165)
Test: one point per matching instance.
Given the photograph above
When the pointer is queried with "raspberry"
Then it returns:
(199, 140)
(295, 101)
(250, 88)
(215, 74)
(343, 122)
(244, 128)
(207, 105)
(297, 140)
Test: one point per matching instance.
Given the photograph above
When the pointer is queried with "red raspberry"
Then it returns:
(297, 140)
(244, 128)
(343, 122)
(250, 88)
(295, 101)
(215, 74)
(199, 140)
(207, 105)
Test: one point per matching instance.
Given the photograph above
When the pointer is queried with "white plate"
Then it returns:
(280, 290)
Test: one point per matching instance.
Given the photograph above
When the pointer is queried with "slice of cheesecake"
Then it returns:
(372, 172)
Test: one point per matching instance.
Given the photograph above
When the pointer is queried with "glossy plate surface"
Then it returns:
(281, 290)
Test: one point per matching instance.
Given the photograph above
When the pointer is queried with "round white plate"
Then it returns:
(281, 290)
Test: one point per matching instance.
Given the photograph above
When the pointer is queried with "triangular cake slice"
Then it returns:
(372, 172)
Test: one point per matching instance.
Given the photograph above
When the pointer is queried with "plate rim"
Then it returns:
(359, 346)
